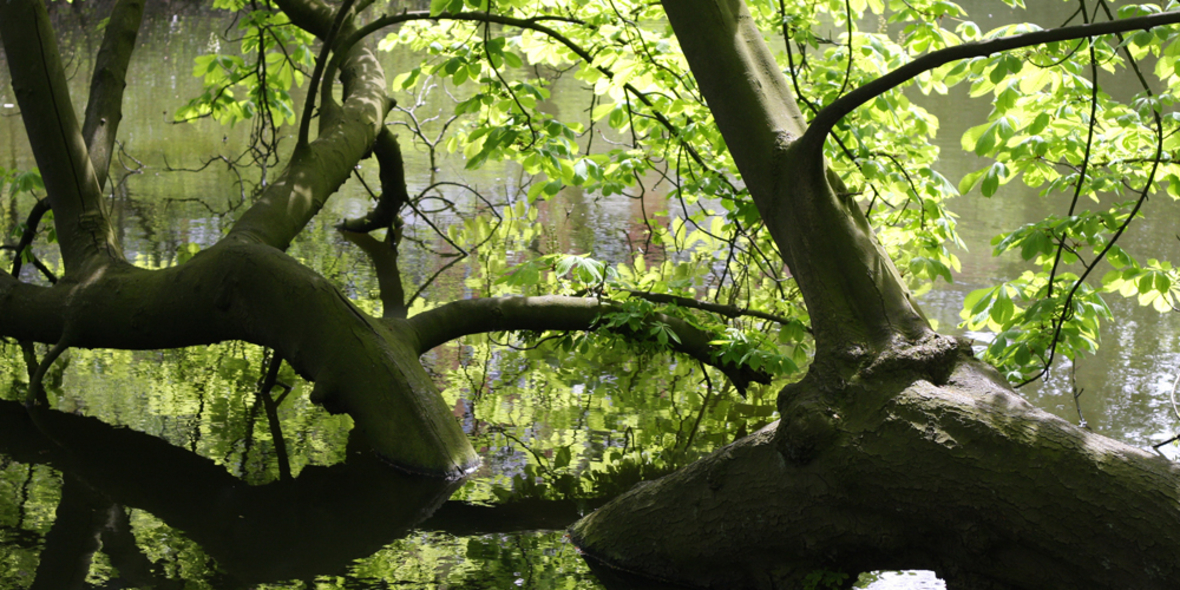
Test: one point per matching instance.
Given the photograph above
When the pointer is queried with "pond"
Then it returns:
(175, 465)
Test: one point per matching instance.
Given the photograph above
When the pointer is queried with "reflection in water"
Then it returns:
(313, 527)
(314, 524)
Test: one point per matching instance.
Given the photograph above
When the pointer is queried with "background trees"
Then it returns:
(717, 243)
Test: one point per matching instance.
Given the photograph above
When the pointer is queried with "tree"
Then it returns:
(883, 396)
(896, 449)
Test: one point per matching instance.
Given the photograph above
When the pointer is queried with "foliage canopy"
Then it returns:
(1053, 126)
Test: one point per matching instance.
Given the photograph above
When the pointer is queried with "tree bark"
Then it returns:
(898, 450)
(963, 478)
(104, 107)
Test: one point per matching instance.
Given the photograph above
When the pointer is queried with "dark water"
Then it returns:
(168, 457)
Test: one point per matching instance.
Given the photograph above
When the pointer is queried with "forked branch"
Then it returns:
(83, 230)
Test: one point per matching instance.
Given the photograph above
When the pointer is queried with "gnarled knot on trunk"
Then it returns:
(812, 409)
(932, 358)
(809, 421)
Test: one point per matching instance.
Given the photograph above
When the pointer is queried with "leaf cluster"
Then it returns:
(273, 56)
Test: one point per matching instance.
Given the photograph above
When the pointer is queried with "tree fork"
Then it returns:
(84, 232)
(319, 168)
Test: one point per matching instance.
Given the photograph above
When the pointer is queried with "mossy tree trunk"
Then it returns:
(898, 449)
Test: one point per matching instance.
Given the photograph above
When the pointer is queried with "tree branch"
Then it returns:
(393, 187)
(827, 118)
(104, 107)
(560, 313)
(83, 230)
(309, 105)
(462, 519)
(312, 16)
(393, 197)
(40, 208)
(257, 294)
(318, 169)
(729, 311)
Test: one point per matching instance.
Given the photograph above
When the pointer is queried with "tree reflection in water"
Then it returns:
(314, 525)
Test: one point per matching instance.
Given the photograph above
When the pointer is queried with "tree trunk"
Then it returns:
(898, 449)
(962, 478)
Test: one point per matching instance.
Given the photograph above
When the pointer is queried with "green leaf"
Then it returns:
(968, 181)
(562, 457)
(564, 264)
(999, 72)
(1035, 244)
(991, 179)
(185, 252)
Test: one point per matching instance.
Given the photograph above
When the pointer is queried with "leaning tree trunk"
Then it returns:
(898, 449)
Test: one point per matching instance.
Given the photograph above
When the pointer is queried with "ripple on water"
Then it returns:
(903, 580)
